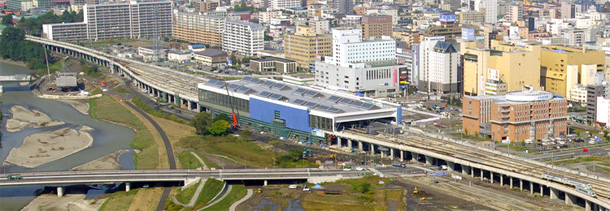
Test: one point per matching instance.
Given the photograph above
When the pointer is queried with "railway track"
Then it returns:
(490, 159)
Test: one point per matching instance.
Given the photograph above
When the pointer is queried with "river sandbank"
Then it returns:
(80, 105)
(22, 118)
(108, 162)
(41, 148)
(67, 202)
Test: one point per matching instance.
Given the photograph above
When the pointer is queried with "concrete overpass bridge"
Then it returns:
(488, 165)
(172, 86)
(185, 176)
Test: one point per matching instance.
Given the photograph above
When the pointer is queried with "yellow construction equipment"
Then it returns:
(423, 198)
(415, 191)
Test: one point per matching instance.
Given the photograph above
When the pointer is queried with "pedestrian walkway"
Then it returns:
(237, 203)
(194, 198)
(203, 166)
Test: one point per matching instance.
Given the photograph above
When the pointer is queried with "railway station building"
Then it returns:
(291, 111)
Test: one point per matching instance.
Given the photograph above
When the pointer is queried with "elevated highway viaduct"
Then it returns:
(172, 86)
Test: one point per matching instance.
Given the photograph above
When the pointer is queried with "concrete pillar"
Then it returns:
(127, 186)
(372, 146)
(491, 177)
(265, 183)
(553, 193)
(520, 184)
(428, 160)
(349, 144)
(481, 174)
(471, 171)
(510, 179)
(338, 143)
(569, 200)
(391, 153)
(587, 205)
(360, 148)
(402, 156)
(450, 166)
(501, 180)
(415, 156)
(531, 187)
(60, 191)
(383, 155)
(541, 190)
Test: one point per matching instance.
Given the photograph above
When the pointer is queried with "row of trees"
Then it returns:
(33, 26)
(14, 46)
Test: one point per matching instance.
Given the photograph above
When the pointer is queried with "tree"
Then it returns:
(233, 59)
(222, 116)
(219, 128)
(7, 20)
(245, 60)
(202, 122)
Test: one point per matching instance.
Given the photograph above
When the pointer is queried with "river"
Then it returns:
(107, 137)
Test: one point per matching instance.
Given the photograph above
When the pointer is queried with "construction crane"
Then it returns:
(235, 122)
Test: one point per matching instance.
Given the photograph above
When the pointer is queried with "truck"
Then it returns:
(443, 167)
(14, 177)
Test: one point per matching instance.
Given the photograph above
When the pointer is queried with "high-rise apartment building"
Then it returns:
(561, 67)
(200, 28)
(376, 26)
(515, 13)
(128, 20)
(357, 65)
(345, 6)
(244, 38)
(281, 4)
(118, 20)
(438, 66)
(491, 9)
(516, 116)
(514, 65)
(305, 46)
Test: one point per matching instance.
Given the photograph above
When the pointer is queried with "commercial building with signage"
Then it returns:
(516, 116)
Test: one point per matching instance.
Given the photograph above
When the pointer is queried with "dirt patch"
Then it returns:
(146, 199)
(41, 148)
(110, 161)
(80, 105)
(22, 118)
(67, 202)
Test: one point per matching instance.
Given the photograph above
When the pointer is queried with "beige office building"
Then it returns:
(305, 46)
(376, 26)
(563, 67)
(513, 65)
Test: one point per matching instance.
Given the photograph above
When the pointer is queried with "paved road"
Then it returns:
(237, 203)
(168, 148)
(594, 151)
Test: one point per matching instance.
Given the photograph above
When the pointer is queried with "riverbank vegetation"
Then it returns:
(142, 105)
(14, 46)
(107, 108)
(119, 200)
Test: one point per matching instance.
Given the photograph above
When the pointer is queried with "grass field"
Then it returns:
(107, 108)
(237, 193)
(188, 161)
(234, 148)
(185, 195)
(119, 201)
(211, 188)
(146, 199)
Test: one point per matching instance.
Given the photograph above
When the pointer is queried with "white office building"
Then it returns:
(438, 66)
(367, 66)
(491, 9)
(243, 38)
